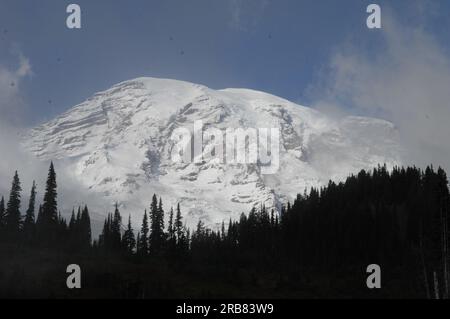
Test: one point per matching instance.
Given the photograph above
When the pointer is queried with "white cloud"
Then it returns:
(405, 80)
(13, 157)
(12, 108)
(11, 102)
(24, 67)
(246, 14)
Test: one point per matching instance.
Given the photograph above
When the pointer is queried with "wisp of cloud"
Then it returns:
(405, 81)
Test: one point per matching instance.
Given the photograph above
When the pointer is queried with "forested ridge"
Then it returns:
(317, 246)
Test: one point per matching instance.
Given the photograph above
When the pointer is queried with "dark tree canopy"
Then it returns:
(397, 219)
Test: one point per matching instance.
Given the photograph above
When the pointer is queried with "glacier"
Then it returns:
(117, 145)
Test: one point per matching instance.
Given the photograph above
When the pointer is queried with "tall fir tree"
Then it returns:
(13, 216)
(78, 218)
(47, 226)
(222, 231)
(128, 239)
(157, 226)
(178, 225)
(72, 232)
(85, 229)
(138, 246)
(116, 235)
(2, 216)
(104, 239)
(171, 228)
(72, 222)
(143, 241)
(171, 235)
(29, 224)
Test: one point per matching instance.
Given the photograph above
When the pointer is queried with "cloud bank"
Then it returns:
(405, 79)
(11, 103)
(13, 109)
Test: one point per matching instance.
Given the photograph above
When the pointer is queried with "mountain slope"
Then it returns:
(118, 144)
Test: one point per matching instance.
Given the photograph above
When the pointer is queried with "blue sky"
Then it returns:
(315, 52)
(275, 46)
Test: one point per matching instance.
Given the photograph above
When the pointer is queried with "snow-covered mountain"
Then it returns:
(118, 145)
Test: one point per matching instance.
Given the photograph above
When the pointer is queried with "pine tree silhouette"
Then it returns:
(116, 235)
(128, 239)
(179, 226)
(143, 242)
(47, 226)
(72, 222)
(397, 218)
(171, 237)
(2, 217)
(138, 245)
(157, 226)
(85, 229)
(29, 224)
(13, 216)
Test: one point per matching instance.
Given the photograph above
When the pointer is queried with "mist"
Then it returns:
(405, 79)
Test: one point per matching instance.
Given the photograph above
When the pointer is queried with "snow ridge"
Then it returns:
(117, 144)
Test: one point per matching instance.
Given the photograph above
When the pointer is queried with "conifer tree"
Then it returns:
(72, 232)
(29, 223)
(47, 226)
(116, 236)
(104, 240)
(85, 229)
(222, 231)
(171, 235)
(186, 240)
(13, 217)
(161, 218)
(72, 222)
(171, 228)
(128, 240)
(178, 225)
(78, 218)
(2, 216)
(200, 231)
(138, 245)
(143, 236)
(157, 226)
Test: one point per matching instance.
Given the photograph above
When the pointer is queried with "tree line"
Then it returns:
(397, 219)
(46, 230)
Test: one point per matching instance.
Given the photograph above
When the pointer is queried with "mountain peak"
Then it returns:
(118, 144)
